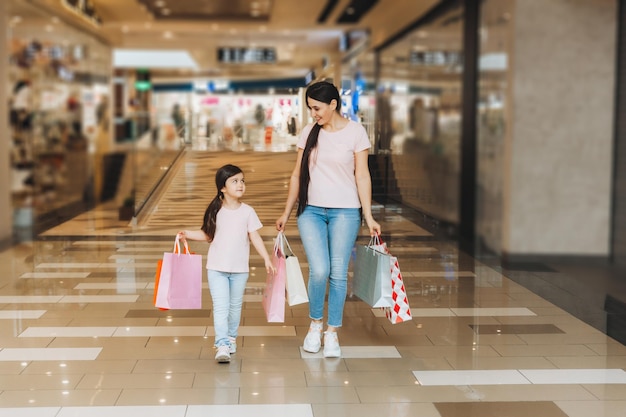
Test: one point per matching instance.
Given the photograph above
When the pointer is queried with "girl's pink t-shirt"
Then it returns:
(230, 249)
(331, 166)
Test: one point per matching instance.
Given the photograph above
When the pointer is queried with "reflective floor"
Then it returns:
(81, 337)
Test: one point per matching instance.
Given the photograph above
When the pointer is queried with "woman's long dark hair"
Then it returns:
(325, 92)
(210, 215)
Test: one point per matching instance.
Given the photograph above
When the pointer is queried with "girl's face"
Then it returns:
(235, 186)
(320, 111)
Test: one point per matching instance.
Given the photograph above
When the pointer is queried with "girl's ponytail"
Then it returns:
(210, 216)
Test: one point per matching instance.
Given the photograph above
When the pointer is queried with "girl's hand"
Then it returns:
(181, 235)
(269, 266)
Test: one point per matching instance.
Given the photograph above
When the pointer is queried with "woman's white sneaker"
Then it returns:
(331, 345)
(313, 340)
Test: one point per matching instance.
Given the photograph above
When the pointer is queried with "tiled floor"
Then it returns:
(80, 336)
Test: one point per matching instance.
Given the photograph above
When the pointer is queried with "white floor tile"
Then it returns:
(358, 352)
(430, 312)
(21, 314)
(112, 285)
(85, 299)
(199, 331)
(251, 410)
(155, 257)
(472, 377)
(55, 275)
(261, 331)
(575, 376)
(29, 299)
(49, 354)
(30, 412)
(124, 411)
(68, 332)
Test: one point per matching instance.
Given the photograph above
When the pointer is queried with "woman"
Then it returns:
(331, 184)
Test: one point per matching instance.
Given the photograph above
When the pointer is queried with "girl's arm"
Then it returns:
(258, 244)
(364, 189)
(292, 196)
(192, 235)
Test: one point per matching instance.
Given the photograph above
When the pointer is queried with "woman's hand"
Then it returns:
(281, 222)
(181, 235)
(374, 227)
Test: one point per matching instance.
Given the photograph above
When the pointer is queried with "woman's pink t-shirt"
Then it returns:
(230, 249)
(331, 166)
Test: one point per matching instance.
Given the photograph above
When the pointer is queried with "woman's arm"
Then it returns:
(258, 244)
(292, 196)
(364, 189)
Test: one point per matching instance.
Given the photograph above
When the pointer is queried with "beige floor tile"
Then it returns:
(250, 380)
(371, 365)
(175, 396)
(544, 350)
(271, 365)
(597, 362)
(611, 392)
(414, 394)
(136, 381)
(359, 379)
(483, 362)
(592, 408)
(532, 392)
(298, 395)
(80, 367)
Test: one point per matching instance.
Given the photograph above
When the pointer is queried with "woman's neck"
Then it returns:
(337, 122)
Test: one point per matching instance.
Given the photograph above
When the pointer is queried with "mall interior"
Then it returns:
(498, 166)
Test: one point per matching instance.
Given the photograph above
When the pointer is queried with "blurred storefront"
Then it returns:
(59, 111)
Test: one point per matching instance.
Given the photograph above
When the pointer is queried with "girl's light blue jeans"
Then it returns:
(227, 289)
(328, 236)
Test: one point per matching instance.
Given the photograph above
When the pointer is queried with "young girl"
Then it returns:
(230, 226)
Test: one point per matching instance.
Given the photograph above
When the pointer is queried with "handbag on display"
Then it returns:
(294, 281)
(180, 281)
(274, 292)
(372, 275)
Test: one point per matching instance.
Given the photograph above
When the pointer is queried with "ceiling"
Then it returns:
(304, 34)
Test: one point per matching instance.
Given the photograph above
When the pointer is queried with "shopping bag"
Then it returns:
(274, 292)
(399, 311)
(294, 281)
(372, 276)
(157, 276)
(180, 281)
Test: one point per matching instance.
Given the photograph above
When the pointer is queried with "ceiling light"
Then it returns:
(165, 11)
(159, 3)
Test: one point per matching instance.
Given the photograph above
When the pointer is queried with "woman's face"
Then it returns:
(320, 111)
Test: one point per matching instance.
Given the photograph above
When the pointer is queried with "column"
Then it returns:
(6, 208)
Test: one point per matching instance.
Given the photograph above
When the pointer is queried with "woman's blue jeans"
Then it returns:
(328, 236)
(227, 289)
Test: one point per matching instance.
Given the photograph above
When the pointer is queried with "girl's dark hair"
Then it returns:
(210, 215)
(325, 92)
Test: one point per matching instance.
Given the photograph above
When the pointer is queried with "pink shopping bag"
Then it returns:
(180, 281)
(274, 293)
